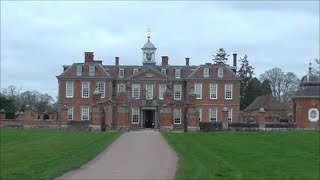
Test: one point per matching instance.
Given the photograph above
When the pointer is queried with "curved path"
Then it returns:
(134, 155)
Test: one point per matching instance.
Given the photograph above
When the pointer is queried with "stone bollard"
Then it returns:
(262, 119)
(225, 123)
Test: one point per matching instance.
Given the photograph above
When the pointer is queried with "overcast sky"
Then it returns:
(38, 38)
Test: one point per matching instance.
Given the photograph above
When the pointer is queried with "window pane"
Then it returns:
(85, 113)
(135, 116)
(85, 89)
(177, 116)
(69, 89)
(228, 91)
(198, 91)
(177, 92)
(162, 89)
(70, 113)
(91, 70)
(101, 87)
(79, 70)
(135, 91)
(213, 91)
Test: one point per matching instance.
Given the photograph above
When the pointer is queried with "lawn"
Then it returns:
(45, 154)
(247, 155)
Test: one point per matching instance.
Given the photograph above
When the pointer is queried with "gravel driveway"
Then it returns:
(134, 155)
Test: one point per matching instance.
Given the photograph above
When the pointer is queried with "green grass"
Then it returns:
(247, 155)
(45, 154)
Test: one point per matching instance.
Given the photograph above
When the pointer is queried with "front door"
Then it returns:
(149, 118)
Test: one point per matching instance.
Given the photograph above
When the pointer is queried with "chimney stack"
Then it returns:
(88, 57)
(116, 61)
(235, 60)
(165, 60)
(187, 61)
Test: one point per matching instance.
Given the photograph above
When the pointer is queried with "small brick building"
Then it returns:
(275, 110)
(306, 102)
(150, 95)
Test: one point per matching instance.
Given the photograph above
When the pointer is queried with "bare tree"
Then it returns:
(283, 85)
(316, 70)
(276, 77)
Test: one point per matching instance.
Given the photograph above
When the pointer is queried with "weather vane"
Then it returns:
(148, 33)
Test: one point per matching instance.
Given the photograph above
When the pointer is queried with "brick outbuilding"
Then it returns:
(306, 102)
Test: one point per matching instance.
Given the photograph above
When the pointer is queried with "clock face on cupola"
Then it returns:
(148, 51)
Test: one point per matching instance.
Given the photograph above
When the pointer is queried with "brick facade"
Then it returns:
(122, 110)
(306, 102)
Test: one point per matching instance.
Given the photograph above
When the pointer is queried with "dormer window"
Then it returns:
(79, 70)
(163, 71)
(178, 73)
(121, 73)
(91, 71)
(220, 72)
(205, 72)
(135, 71)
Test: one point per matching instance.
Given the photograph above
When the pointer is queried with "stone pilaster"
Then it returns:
(2, 114)
(262, 119)
(64, 116)
(225, 123)
(26, 117)
(165, 117)
(193, 114)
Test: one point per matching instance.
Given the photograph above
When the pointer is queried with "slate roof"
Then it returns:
(268, 102)
(309, 87)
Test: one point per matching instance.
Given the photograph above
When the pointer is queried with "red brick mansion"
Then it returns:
(164, 96)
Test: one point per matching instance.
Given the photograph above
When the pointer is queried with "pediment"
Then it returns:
(149, 74)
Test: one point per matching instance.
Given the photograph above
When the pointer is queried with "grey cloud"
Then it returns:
(37, 38)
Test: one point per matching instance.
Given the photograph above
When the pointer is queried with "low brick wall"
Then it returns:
(11, 123)
(217, 126)
(78, 125)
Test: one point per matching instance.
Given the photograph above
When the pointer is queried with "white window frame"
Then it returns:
(85, 90)
(220, 72)
(230, 115)
(121, 87)
(177, 94)
(228, 91)
(164, 71)
(198, 90)
(102, 89)
(69, 89)
(162, 89)
(70, 114)
(200, 114)
(213, 91)
(206, 72)
(121, 73)
(135, 116)
(177, 73)
(85, 113)
(213, 114)
(177, 116)
(136, 91)
(79, 71)
(135, 71)
(92, 70)
(149, 91)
